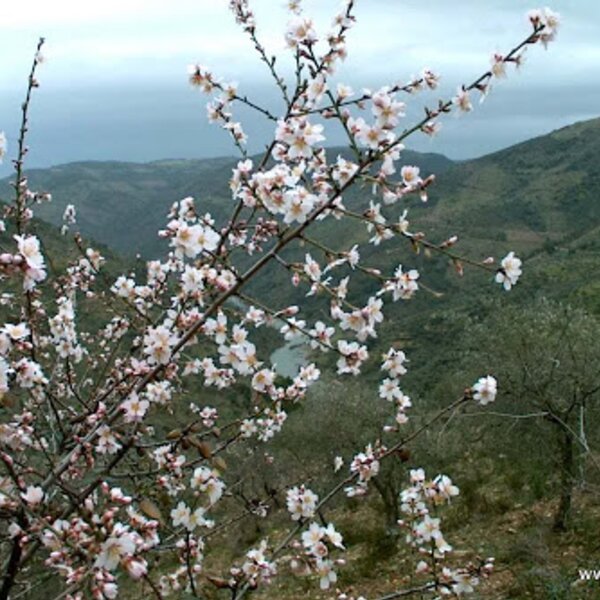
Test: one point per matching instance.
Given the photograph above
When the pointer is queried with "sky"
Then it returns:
(114, 85)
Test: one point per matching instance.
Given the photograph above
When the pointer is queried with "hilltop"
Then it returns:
(123, 205)
(542, 191)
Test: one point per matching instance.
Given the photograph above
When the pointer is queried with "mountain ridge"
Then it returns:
(538, 190)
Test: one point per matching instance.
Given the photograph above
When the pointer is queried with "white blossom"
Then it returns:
(33, 495)
(485, 390)
(3, 146)
(510, 272)
(119, 545)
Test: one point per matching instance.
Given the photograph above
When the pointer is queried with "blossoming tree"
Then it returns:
(82, 447)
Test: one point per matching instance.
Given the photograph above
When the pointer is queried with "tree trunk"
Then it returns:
(582, 458)
(391, 507)
(567, 481)
(14, 561)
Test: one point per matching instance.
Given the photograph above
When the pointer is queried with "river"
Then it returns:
(290, 356)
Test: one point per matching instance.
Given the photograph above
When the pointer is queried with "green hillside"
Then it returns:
(539, 198)
(542, 189)
(123, 205)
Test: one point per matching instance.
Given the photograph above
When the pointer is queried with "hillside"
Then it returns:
(543, 189)
(61, 251)
(538, 198)
(124, 204)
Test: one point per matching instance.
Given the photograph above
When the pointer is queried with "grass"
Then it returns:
(532, 561)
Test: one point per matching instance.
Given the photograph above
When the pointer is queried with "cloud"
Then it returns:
(119, 39)
(137, 47)
(67, 13)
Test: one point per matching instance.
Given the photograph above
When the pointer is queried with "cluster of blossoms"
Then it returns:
(62, 329)
(111, 544)
(190, 552)
(547, 21)
(218, 110)
(81, 408)
(419, 503)
(207, 481)
(28, 260)
(352, 356)
(364, 466)
(317, 544)
(301, 503)
(393, 364)
(183, 516)
(82, 275)
(189, 234)
(208, 415)
(256, 569)
(297, 138)
(26, 373)
(69, 218)
(317, 541)
(159, 342)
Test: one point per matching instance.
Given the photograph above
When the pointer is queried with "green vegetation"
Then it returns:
(520, 478)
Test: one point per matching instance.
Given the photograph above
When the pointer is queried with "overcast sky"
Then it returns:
(114, 85)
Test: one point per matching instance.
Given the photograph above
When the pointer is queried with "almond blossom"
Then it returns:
(207, 481)
(463, 100)
(299, 136)
(301, 502)
(158, 343)
(17, 331)
(321, 336)
(403, 285)
(256, 567)
(352, 357)
(119, 545)
(394, 361)
(410, 175)
(510, 271)
(190, 240)
(125, 396)
(35, 269)
(485, 390)
(134, 408)
(300, 30)
(33, 495)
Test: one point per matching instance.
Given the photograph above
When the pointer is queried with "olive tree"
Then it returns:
(547, 357)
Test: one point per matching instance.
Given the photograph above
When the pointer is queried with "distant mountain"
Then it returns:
(539, 198)
(124, 204)
(545, 189)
